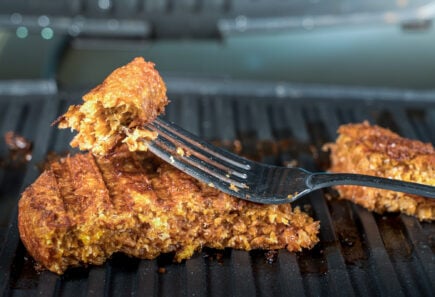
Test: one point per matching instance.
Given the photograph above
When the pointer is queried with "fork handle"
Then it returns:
(323, 179)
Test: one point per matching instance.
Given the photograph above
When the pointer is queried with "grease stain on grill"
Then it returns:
(312, 261)
(394, 237)
(271, 256)
(348, 233)
(269, 150)
(215, 256)
(19, 150)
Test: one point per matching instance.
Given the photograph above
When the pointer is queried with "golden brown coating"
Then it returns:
(116, 110)
(85, 208)
(372, 150)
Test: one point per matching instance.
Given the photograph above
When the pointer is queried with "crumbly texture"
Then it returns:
(363, 148)
(116, 111)
(85, 208)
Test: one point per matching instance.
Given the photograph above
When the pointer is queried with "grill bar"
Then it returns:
(146, 278)
(360, 253)
(290, 276)
(97, 281)
(242, 278)
(383, 272)
(196, 281)
(425, 266)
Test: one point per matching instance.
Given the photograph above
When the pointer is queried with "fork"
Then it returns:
(254, 181)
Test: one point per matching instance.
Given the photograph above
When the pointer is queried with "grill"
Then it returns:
(360, 253)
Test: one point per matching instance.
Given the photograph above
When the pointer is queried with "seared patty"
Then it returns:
(85, 208)
(372, 150)
(116, 110)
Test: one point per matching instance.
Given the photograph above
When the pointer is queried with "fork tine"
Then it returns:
(254, 181)
(222, 155)
(193, 165)
(199, 158)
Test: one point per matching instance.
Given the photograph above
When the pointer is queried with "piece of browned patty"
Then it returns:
(85, 208)
(363, 148)
(116, 110)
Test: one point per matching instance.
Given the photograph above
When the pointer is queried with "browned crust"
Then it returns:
(83, 209)
(137, 83)
(63, 198)
(116, 110)
(363, 148)
(42, 215)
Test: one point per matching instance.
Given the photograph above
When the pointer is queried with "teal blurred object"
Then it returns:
(364, 56)
(347, 43)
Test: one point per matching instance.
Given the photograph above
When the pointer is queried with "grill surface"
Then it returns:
(360, 253)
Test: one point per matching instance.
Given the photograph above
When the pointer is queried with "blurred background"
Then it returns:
(388, 44)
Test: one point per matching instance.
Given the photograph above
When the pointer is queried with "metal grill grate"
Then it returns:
(360, 253)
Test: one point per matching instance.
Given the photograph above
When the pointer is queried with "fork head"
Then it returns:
(228, 172)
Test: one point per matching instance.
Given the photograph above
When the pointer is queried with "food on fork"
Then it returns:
(369, 149)
(84, 208)
(116, 110)
(120, 198)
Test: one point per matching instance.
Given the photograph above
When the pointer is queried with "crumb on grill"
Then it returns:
(180, 151)
(271, 256)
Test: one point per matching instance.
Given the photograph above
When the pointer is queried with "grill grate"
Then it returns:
(360, 253)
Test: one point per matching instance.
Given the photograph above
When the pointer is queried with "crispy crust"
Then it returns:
(116, 110)
(366, 149)
(85, 208)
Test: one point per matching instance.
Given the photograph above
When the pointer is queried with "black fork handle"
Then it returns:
(323, 179)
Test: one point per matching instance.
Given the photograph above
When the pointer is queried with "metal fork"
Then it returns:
(251, 180)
